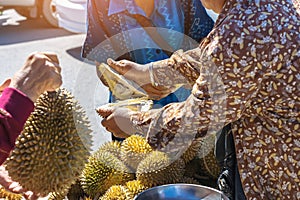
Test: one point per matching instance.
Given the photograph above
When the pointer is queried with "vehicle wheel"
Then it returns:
(48, 11)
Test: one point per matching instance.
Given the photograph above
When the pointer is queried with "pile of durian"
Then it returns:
(121, 170)
(52, 158)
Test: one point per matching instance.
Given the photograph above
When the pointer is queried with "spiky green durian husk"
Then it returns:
(113, 147)
(189, 180)
(210, 165)
(194, 170)
(56, 196)
(132, 188)
(133, 150)
(192, 150)
(102, 171)
(158, 168)
(115, 192)
(207, 159)
(53, 147)
(7, 195)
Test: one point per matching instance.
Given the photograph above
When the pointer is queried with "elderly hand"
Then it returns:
(117, 120)
(40, 73)
(139, 74)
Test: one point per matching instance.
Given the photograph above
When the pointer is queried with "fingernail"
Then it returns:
(109, 61)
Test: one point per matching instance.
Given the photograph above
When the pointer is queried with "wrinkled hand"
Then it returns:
(117, 120)
(41, 72)
(14, 187)
(139, 74)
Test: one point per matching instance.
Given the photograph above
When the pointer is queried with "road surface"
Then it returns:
(19, 37)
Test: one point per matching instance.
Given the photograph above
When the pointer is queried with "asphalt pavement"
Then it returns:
(19, 37)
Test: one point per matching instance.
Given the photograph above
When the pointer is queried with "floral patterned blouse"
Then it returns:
(247, 73)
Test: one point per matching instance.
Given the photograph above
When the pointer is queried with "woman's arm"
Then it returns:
(15, 108)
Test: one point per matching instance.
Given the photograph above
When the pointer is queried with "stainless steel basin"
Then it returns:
(181, 192)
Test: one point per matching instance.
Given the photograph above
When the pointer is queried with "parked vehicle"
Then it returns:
(34, 9)
(67, 14)
(71, 15)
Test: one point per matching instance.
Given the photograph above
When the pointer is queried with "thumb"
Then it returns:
(120, 66)
(104, 111)
(5, 84)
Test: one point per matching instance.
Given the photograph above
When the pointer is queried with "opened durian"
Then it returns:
(158, 168)
(53, 147)
(137, 104)
(102, 171)
(133, 150)
(121, 88)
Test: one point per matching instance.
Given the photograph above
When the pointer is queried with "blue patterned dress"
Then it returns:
(112, 32)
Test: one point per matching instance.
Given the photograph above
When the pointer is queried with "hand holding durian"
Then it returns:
(117, 120)
(128, 80)
(40, 73)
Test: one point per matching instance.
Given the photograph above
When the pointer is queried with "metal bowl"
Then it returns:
(181, 192)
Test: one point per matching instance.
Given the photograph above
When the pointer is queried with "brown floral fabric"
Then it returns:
(247, 72)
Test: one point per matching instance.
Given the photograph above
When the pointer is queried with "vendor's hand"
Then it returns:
(10, 185)
(117, 120)
(40, 73)
(139, 74)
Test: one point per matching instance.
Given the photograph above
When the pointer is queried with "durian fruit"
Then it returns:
(192, 168)
(120, 87)
(189, 180)
(7, 195)
(115, 192)
(192, 150)
(53, 147)
(113, 147)
(76, 191)
(133, 150)
(158, 168)
(133, 188)
(124, 192)
(207, 159)
(56, 196)
(102, 171)
(136, 104)
(195, 171)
